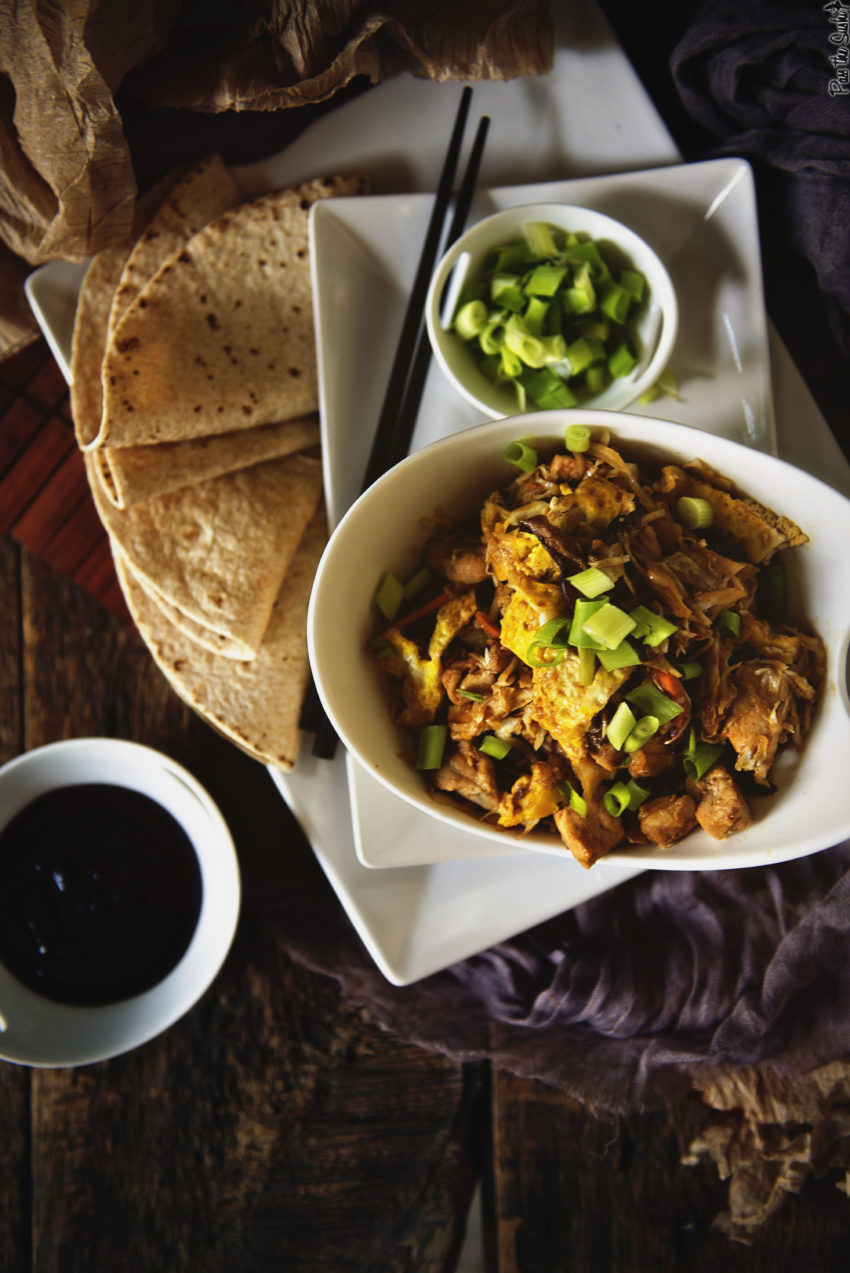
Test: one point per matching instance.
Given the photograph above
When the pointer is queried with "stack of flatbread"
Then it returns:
(195, 399)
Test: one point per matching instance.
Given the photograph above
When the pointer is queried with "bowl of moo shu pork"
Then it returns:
(596, 635)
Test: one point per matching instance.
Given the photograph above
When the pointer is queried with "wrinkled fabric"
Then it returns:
(634, 995)
(772, 83)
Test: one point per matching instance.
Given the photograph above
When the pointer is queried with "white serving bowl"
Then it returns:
(40, 1032)
(655, 325)
(387, 528)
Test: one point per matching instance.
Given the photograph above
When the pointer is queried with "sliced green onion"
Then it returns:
(596, 379)
(620, 725)
(545, 280)
(642, 732)
(625, 655)
(616, 799)
(416, 583)
(586, 666)
(577, 437)
(547, 390)
(432, 742)
(622, 362)
(389, 595)
(584, 353)
(591, 582)
(471, 319)
(624, 796)
(615, 302)
(634, 283)
(637, 794)
(538, 236)
(492, 338)
(585, 610)
(770, 592)
(535, 315)
(581, 297)
(506, 292)
(547, 639)
(521, 455)
(519, 340)
(492, 745)
(576, 802)
(699, 756)
(694, 512)
(471, 694)
(648, 699)
(729, 621)
(609, 626)
(651, 628)
(690, 671)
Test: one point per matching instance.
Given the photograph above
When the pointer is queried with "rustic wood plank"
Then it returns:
(273, 1126)
(575, 1193)
(14, 1079)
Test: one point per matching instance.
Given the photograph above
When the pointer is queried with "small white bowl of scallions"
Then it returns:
(551, 306)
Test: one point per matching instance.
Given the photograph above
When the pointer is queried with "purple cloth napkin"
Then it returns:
(772, 83)
(631, 996)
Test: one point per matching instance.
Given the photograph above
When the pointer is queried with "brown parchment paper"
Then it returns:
(67, 181)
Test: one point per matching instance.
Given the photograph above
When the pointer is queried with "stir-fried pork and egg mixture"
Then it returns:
(602, 653)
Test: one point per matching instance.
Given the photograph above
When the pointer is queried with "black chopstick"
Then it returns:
(398, 444)
(410, 364)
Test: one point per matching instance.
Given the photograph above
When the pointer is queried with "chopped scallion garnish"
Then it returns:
(699, 756)
(624, 796)
(576, 801)
(651, 628)
(521, 455)
(729, 621)
(694, 512)
(609, 626)
(620, 726)
(389, 595)
(642, 732)
(625, 655)
(648, 699)
(492, 745)
(577, 437)
(432, 742)
(591, 582)
(547, 638)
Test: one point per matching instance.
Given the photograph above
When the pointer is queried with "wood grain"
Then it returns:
(273, 1127)
(577, 1194)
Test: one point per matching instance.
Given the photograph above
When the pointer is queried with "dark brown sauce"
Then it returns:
(100, 893)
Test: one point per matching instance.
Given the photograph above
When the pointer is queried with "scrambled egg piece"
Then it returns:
(533, 796)
(422, 687)
(565, 708)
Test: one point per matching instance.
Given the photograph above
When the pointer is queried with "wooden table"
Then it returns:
(275, 1127)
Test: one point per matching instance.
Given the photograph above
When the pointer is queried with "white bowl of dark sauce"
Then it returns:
(119, 898)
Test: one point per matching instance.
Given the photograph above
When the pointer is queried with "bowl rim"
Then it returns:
(657, 434)
(135, 1020)
(668, 306)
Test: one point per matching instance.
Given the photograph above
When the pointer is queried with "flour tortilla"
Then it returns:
(255, 703)
(218, 550)
(131, 474)
(205, 637)
(205, 193)
(221, 338)
(91, 319)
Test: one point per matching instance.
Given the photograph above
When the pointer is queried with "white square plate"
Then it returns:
(701, 218)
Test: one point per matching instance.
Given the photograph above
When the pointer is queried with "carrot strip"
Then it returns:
(483, 622)
(427, 608)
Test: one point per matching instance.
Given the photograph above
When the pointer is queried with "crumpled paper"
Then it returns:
(67, 180)
(774, 1135)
